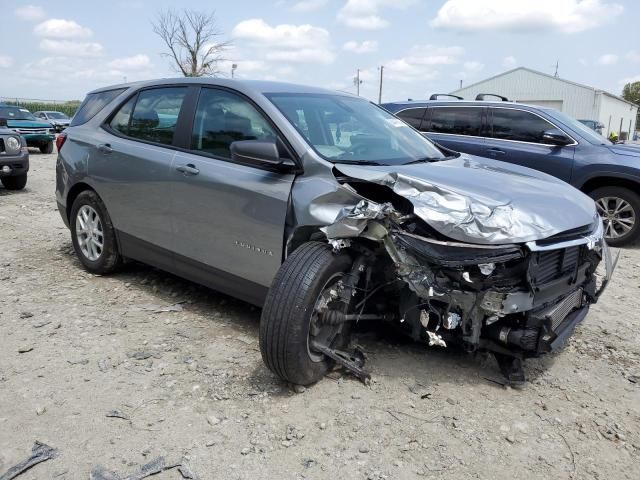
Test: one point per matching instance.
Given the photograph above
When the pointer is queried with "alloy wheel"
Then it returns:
(89, 233)
(618, 216)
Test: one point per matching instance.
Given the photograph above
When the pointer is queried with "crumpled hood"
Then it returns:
(477, 200)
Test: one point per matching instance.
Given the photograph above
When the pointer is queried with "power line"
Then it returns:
(380, 90)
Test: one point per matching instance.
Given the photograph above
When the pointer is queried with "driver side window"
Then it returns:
(222, 118)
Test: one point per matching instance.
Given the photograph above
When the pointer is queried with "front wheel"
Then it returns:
(16, 182)
(46, 147)
(307, 284)
(619, 208)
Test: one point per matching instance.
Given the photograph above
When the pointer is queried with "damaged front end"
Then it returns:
(517, 300)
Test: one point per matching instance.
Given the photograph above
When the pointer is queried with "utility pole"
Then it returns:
(460, 84)
(380, 91)
(357, 81)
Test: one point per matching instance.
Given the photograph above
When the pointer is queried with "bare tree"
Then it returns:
(191, 38)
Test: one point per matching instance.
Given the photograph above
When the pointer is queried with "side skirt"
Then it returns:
(145, 252)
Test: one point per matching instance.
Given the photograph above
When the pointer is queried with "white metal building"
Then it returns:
(580, 101)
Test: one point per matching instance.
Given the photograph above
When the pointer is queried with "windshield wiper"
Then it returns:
(429, 160)
(361, 162)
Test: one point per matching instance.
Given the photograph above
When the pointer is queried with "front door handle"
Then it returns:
(105, 148)
(496, 151)
(188, 169)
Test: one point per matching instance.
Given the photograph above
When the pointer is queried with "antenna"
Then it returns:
(555, 74)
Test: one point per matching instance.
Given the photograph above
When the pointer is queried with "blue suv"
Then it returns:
(540, 138)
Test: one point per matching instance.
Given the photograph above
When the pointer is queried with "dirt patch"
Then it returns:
(115, 372)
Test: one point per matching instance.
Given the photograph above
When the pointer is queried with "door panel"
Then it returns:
(132, 164)
(516, 137)
(228, 216)
(133, 181)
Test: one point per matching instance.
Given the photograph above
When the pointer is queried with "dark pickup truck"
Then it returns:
(14, 158)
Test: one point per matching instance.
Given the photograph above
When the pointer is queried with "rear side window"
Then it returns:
(455, 120)
(223, 118)
(93, 103)
(511, 124)
(152, 115)
(413, 116)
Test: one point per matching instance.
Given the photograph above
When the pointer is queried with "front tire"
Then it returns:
(619, 208)
(93, 235)
(46, 148)
(289, 309)
(16, 182)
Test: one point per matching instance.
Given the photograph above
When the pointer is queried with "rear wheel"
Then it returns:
(46, 147)
(306, 285)
(93, 235)
(619, 208)
(15, 182)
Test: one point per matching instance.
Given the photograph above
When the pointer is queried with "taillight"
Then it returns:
(60, 140)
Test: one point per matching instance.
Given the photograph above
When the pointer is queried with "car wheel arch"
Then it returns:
(600, 181)
(74, 191)
(301, 235)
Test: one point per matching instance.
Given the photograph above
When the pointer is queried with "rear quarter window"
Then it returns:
(93, 104)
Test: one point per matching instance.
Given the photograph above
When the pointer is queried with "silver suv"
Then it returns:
(326, 210)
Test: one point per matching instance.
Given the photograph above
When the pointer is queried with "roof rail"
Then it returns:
(436, 95)
(481, 96)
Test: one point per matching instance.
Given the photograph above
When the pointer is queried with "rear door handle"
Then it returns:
(496, 151)
(188, 169)
(105, 148)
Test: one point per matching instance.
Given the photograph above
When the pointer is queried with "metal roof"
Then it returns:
(536, 72)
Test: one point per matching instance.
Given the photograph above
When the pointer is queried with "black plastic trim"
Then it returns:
(145, 252)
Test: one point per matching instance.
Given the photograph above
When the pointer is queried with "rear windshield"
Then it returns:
(93, 103)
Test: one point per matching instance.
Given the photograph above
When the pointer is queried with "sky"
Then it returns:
(62, 50)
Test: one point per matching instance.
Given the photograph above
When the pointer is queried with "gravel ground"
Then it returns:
(181, 365)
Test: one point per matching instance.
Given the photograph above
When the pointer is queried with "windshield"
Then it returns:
(590, 135)
(57, 116)
(15, 113)
(346, 129)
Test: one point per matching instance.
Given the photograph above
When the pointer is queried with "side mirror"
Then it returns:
(556, 137)
(3, 122)
(259, 153)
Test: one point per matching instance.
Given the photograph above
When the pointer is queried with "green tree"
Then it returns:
(631, 93)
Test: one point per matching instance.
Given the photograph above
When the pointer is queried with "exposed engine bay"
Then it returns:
(516, 300)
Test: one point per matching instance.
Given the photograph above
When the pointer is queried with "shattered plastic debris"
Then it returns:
(487, 268)
(452, 321)
(340, 244)
(40, 452)
(424, 318)
(152, 468)
(435, 339)
(116, 414)
(157, 308)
